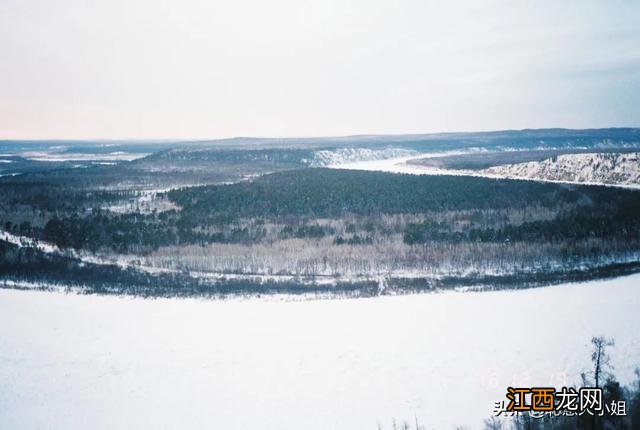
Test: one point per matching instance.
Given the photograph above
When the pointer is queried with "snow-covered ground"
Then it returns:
(145, 202)
(72, 156)
(395, 164)
(350, 155)
(76, 362)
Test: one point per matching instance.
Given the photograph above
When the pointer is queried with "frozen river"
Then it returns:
(78, 362)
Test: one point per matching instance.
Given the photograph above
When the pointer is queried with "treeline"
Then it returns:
(17, 194)
(295, 157)
(25, 264)
(28, 265)
(573, 226)
(123, 233)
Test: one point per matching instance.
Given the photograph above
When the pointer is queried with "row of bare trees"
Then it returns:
(389, 255)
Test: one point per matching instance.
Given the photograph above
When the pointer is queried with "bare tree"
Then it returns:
(600, 358)
(493, 423)
(601, 368)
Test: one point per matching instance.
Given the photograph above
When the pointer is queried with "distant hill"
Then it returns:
(170, 163)
(433, 141)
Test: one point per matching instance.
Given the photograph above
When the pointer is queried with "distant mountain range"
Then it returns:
(273, 154)
(482, 137)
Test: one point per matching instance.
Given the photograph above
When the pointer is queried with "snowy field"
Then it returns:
(99, 362)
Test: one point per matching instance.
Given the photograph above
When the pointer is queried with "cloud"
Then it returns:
(142, 68)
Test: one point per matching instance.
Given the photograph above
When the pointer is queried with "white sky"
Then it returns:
(205, 69)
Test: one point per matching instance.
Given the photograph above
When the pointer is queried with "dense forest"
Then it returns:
(363, 205)
(349, 226)
(257, 208)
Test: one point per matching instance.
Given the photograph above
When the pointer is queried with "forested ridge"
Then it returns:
(331, 193)
(346, 224)
(450, 209)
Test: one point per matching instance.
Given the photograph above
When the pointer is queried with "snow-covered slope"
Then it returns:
(77, 362)
(349, 155)
(601, 168)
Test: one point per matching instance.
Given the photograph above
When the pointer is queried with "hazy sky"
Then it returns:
(200, 69)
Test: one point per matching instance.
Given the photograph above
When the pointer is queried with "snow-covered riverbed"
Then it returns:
(76, 362)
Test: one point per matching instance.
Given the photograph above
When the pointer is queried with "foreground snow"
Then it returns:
(75, 362)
